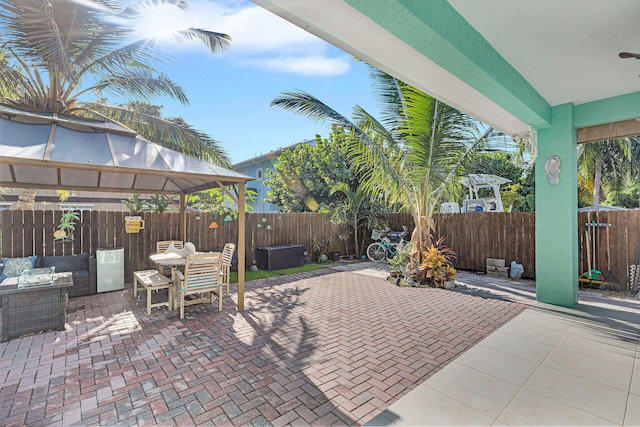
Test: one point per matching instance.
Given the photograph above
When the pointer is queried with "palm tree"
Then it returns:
(605, 164)
(355, 211)
(411, 157)
(61, 51)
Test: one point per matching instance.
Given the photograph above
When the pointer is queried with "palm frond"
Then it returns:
(173, 134)
(10, 78)
(366, 148)
(306, 105)
(389, 92)
(375, 156)
(215, 42)
(101, 59)
(141, 84)
(47, 33)
(370, 125)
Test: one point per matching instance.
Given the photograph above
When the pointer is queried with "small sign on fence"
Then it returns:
(133, 224)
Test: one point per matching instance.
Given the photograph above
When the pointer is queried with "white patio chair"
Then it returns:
(227, 256)
(203, 276)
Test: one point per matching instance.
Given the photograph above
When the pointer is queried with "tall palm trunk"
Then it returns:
(597, 180)
(355, 237)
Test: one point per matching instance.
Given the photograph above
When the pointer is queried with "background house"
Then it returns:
(257, 167)
(77, 201)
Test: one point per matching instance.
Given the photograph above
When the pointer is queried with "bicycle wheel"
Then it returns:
(376, 252)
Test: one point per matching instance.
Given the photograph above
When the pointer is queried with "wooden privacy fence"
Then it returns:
(473, 236)
(25, 233)
(476, 236)
(511, 236)
(613, 238)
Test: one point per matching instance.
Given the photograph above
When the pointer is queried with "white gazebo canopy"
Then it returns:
(46, 150)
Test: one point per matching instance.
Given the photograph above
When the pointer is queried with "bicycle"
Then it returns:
(384, 248)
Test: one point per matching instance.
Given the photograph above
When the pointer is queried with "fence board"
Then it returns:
(631, 247)
(100, 231)
(57, 247)
(7, 233)
(17, 237)
(38, 232)
(27, 220)
(612, 244)
(83, 230)
(110, 231)
(94, 218)
(159, 231)
(48, 230)
(616, 246)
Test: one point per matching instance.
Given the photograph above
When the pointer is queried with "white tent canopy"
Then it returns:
(477, 181)
(46, 150)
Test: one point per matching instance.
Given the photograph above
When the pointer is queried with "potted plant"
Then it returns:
(400, 262)
(320, 247)
(396, 273)
(157, 203)
(135, 204)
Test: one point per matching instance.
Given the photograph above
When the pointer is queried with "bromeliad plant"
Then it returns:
(436, 266)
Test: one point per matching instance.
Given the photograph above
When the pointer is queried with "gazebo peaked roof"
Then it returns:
(47, 150)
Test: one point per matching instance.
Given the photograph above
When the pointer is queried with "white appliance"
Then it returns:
(110, 269)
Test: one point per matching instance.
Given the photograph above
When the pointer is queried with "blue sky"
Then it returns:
(230, 92)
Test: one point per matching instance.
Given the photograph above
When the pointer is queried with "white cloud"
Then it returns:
(262, 39)
(255, 30)
(305, 65)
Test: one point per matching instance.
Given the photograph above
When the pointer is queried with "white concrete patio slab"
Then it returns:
(548, 366)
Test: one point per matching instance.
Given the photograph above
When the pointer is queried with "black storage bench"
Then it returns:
(279, 257)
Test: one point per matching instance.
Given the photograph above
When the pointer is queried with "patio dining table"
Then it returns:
(172, 260)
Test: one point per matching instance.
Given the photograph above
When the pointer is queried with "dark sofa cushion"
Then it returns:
(78, 262)
(79, 274)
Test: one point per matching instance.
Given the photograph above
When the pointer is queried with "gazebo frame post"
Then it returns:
(183, 217)
(241, 244)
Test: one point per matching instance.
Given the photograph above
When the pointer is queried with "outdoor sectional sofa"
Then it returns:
(82, 267)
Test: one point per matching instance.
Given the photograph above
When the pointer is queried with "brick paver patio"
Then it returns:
(323, 348)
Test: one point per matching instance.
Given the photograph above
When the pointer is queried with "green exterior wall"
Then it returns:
(614, 109)
(556, 213)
